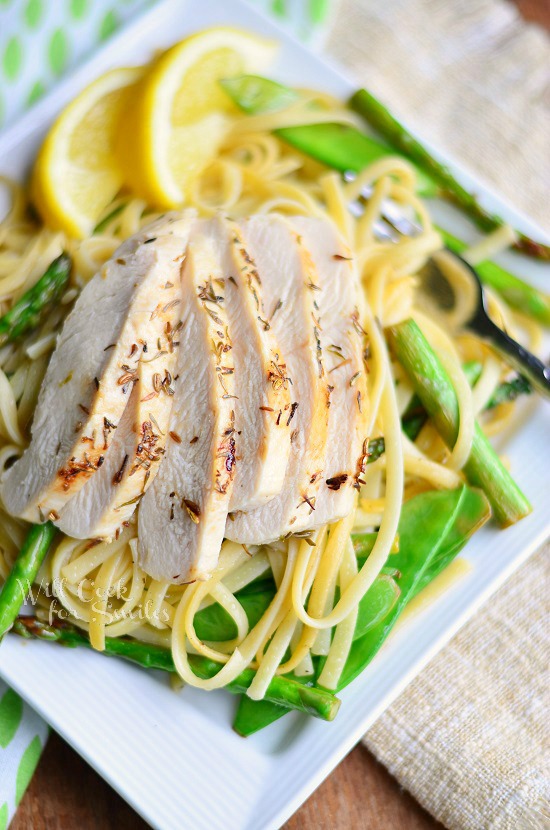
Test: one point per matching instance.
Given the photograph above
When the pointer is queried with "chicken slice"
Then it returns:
(291, 293)
(132, 461)
(127, 304)
(344, 344)
(182, 516)
(262, 385)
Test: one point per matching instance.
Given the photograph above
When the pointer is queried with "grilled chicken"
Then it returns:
(110, 496)
(254, 427)
(91, 373)
(291, 295)
(261, 381)
(345, 366)
(183, 514)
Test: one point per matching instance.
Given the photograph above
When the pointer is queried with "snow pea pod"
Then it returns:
(215, 624)
(433, 529)
(256, 95)
(346, 149)
(340, 146)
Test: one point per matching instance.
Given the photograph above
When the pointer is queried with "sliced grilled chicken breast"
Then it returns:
(183, 514)
(262, 384)
(93, 368)
(343, 341)
(290, 292)
(111, 495)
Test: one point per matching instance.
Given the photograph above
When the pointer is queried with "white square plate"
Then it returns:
(174, 757)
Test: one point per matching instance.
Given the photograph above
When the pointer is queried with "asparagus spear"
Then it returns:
(383, 122)
(27, 312)
(509, 390)
(283, 691)
(432, 385)
(517, 293)
(23, 573)
(416, 416)
(345, 148)
(339, 146)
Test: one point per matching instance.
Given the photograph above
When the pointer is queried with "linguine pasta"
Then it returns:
(99, 585)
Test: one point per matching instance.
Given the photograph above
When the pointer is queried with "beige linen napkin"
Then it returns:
(468, 736)
(469, 74)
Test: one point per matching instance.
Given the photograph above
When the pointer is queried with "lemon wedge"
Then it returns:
(177, 115)
(76, 174)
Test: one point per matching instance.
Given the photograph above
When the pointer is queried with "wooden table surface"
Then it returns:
(66, 793)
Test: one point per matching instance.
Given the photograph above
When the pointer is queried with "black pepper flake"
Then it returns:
(117, 478)
(309, 500)
(293, 408)
(276, 309)
(335, 482)
(192, 509)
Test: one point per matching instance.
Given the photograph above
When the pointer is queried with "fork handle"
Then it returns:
(515, 355)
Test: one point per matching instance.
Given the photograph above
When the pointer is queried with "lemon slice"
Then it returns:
(76, 173)
(177, 115)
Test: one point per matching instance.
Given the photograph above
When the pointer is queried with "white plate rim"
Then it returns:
(11, 136)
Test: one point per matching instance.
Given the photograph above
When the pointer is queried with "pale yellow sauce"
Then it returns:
(452, 574)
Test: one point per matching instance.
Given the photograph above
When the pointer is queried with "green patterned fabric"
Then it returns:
(23, 735)
(40, 40)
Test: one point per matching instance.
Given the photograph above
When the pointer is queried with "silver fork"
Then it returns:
(451, 290)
